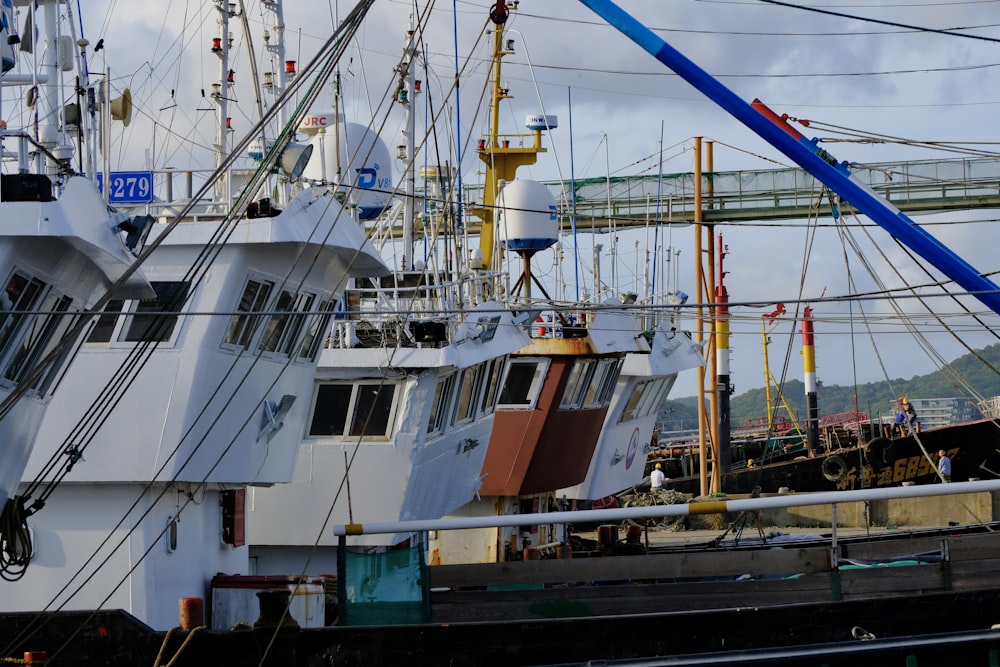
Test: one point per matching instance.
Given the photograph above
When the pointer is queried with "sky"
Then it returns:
(884, 75)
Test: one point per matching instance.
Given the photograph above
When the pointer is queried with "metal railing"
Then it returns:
(925, 185)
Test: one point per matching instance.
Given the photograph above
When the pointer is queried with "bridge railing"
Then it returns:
(768, 193)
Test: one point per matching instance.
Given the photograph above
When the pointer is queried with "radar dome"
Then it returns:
(527, 216)
(364, 164)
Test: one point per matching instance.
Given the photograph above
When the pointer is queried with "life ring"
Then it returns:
(834, 468)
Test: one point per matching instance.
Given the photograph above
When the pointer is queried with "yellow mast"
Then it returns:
(713, 370)
(770, 380)
(767, 374)
(501, 153)
(703, 426)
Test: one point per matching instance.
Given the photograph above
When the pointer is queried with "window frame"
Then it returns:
(349, 411)
(53, 310)
(19, 314)
(285, 325)
(318, 330)
(542, 365)
(472, 377)
(443, 390)
(645, 398)
(245, 324)
(125, 313)
(132, 311)
(610, 382)
(41, 312)
(493, 378)
(581, 374)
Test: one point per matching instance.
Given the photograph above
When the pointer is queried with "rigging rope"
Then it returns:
(15, 540)
(323, 57)
(180, 649)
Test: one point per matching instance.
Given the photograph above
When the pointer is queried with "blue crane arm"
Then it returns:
(807, 155)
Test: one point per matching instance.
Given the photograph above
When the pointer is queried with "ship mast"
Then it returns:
(220, 95)
(722, 366)
(405, 96)
(275, 45)
(495, 150)
(809, 369)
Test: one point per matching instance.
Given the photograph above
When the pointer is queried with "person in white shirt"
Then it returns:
(657, 479)
(944, 467)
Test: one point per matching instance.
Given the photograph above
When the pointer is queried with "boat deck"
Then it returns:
(691, 574)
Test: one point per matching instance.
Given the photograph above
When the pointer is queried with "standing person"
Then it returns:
(899, 427)
(911, 415)
(657, 478)
(944, 467)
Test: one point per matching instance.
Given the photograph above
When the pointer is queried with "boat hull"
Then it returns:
(940, 628)
(974, 449)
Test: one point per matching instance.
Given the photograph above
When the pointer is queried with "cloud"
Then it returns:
(858, 82)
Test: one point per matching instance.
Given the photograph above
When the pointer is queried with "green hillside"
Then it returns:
(873, 397)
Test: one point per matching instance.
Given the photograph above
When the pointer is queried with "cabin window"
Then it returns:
(373, 405)
(633, 401)
(283, 329)
(316, 335)
(439, 408)
(244, 324)
(33, 322)
(646, 398)
(104, 329)
(652, 399)
(523, 383)
(469, 385)
(154, 319)
(354, 410)
(493, 375)
(602, 387)
(41, 334)
(666, 384)
(48, 382)
(577, 382)
(146, 320)
(330, 410)
(19, 297)
(27, 337)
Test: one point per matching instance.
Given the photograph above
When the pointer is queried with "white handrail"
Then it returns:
(659, 511)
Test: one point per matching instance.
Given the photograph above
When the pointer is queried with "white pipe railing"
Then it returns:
(660, 511)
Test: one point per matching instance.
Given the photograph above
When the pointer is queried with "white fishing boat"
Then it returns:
(568, 397)
(407, 386)
(203, 390)
(415, 397)
(62, 247)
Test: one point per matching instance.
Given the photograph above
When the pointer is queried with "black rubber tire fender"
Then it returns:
(834, 467)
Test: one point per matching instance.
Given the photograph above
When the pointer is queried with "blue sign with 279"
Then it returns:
(128, 187)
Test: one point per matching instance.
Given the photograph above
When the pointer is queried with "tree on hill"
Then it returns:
(875, 398)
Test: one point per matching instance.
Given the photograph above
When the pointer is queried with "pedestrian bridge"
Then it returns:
(729, 196)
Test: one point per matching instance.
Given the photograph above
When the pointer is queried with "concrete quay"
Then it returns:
(927, 512)
(852, 519)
